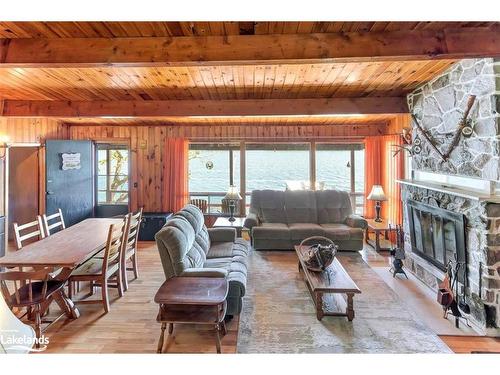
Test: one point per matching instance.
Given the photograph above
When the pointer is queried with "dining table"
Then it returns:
(65, 250)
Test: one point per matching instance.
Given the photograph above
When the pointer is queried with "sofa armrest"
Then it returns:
(204, 272)
(251, 221)
(222, 234)
(356, 221)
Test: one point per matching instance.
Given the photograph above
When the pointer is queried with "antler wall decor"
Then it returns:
(456, 138)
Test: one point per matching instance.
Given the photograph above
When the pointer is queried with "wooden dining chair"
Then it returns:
(99, 271)
(202, 204)
(31, 290)
(57, 222)
(130, 246)
(28, 231)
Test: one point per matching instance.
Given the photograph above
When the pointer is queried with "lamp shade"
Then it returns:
(232, 194)
(377, 194)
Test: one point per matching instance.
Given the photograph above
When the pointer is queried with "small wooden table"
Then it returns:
(377, 227)
(192, 300)
(223, 222)
(334, 280)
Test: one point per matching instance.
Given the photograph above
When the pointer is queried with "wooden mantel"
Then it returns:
(158, 108)
(406, 45)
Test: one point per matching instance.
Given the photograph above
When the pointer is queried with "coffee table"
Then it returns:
(334, 280)
(192, 300)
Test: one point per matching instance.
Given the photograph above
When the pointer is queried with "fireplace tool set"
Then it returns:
(448, 295)
(398, 252)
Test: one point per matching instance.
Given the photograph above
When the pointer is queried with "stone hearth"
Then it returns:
(439, 107)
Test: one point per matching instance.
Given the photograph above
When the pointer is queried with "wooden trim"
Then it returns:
(210, 108)
(463, 42)
(312, 165)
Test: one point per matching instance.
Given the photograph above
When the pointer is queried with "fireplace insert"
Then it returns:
(437, 235)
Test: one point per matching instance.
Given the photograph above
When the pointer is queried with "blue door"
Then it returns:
(69, 179)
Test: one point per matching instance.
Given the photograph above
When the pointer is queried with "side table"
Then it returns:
(192, 300)
(377, 242)
(223, 222)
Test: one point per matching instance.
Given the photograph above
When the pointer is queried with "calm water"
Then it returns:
(271, 170)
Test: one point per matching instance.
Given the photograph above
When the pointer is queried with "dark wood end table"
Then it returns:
(333, 280)
(378, 243)
(192, 300)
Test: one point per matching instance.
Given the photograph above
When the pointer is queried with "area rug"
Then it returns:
(279, 316)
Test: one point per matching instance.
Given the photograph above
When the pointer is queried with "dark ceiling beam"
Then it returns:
(206, 108)
(459, 43)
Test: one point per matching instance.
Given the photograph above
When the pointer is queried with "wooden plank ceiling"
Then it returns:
(390, 78)
(252, 81)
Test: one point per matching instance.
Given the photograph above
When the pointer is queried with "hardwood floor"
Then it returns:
(467, 344)
(131, 327)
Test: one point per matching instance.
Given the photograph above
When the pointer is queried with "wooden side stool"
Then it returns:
(192, 300)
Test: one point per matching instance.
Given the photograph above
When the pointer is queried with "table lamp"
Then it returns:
(232, 196)
(377, 194)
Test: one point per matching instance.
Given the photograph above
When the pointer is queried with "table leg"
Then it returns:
(367, 235)
(319, 305)
(66, 304)
(224, 329)
(170, 328)
(217, 337)
(350, 307)
(377, 240)
(162, 335)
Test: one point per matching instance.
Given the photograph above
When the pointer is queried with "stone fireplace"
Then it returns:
(466, 187)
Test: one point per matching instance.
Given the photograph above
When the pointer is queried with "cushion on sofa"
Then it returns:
(220, 250)
(178, 234)
(195, 217)
(300, 206)
(333, 206)
(300, 231)
(341, 232)
(271, 231)
(272, 205)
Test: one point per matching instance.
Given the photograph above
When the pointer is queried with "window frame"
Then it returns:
(108, 146)
(311, 145)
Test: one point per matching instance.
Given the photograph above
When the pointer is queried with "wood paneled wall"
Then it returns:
(29, 130)
(147, 143)
(147, 146)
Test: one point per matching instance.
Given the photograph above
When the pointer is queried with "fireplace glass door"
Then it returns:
(437, 235)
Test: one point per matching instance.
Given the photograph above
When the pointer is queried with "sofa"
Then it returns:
(188, 248)
(281, 219)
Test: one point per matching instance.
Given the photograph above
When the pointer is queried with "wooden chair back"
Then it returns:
(132, 231)
(114, 244)
(202, 204)
(28, 231)
(57, 222)
(23, 280)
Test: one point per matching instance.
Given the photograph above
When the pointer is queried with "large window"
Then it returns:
(112, 174)
(342, 167)
(212, 168)
(277, 166)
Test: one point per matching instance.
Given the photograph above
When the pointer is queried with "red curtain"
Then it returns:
(175, 174)
(383, 168)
